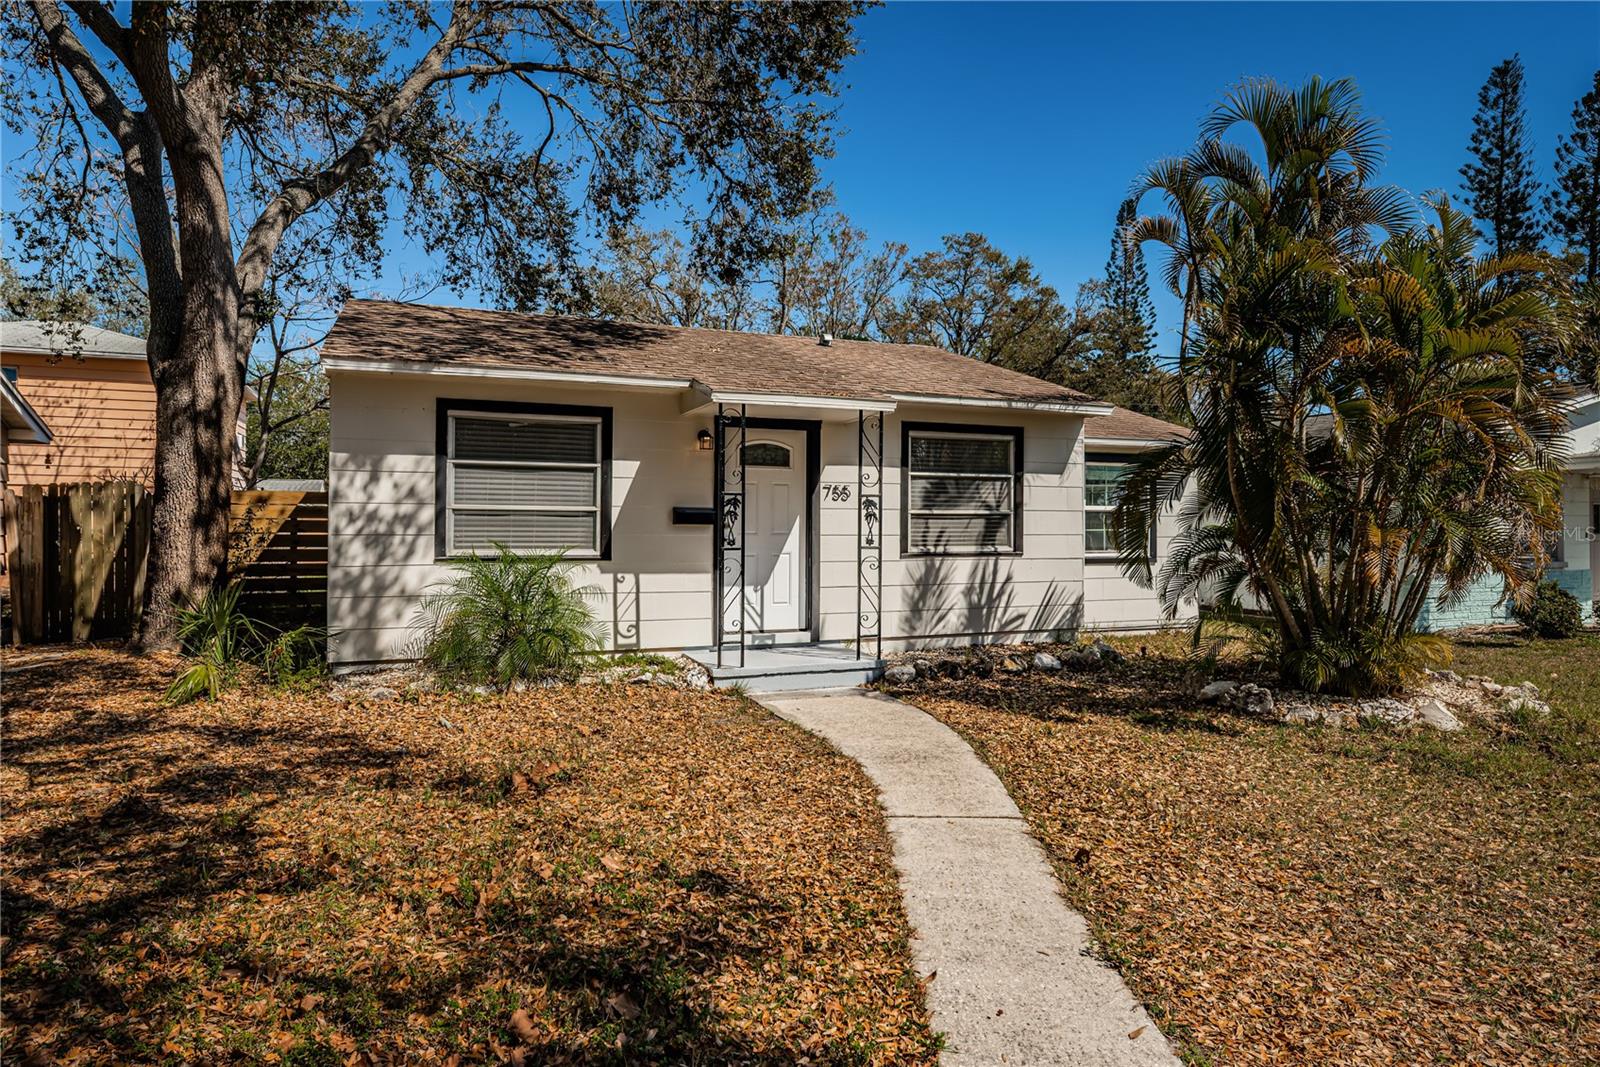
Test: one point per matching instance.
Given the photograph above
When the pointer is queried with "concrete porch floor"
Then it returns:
(788, 668)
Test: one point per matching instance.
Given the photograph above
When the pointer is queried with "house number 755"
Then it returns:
(836, 492)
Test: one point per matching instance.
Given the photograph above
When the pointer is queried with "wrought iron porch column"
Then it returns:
(728, 532)
(869, 531)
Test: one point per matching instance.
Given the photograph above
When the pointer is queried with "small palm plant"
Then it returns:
(508, 617)
(217, 636)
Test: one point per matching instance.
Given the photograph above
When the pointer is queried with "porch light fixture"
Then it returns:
(702, 440)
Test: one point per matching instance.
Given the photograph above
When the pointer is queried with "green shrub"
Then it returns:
(213, 634)
(508, 617)
(219, 639)
(1553, 612)
(295, 656)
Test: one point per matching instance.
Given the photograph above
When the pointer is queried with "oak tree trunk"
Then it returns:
(199, 385)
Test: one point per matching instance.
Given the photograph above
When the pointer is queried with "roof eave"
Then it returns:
(701, 396)
(1133, 442)
(70, 353)
(1058, 407)
(20, 415)
(420, 369)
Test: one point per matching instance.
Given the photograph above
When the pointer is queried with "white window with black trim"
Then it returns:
(1103, 477)
(531, 480)
(963, 490)
(1102, 488)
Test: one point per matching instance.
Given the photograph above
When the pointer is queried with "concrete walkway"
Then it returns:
(1015, 984)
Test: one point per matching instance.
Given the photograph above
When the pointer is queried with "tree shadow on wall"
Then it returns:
(942, 605)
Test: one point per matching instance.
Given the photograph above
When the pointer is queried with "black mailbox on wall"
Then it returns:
(692, 516)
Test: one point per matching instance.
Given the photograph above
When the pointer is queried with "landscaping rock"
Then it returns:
(1082, 658)
(1431, 712)
(1306, 714)
(1249, 698)
(1218, 689)
(694, 675)
(1527, 705)
(1391, 712)
(1044, 661)
(900, 674)
(1107, 653)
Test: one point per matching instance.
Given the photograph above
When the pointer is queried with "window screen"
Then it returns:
(529, 483)
(1100, 491)
(960, 492)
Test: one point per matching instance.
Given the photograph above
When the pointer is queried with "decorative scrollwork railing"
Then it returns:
(728, 534)
(869, 532)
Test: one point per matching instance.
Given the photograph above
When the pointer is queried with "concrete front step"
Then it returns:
(790, 669)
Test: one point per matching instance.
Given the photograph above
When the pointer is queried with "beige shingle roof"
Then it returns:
(1125, 425)
(379, 330)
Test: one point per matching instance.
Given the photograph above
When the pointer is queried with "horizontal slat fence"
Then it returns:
(76, 558)
(279, 553)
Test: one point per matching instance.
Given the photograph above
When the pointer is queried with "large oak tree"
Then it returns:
(220, 140)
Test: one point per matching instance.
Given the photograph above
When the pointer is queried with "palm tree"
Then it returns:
(1438, 462)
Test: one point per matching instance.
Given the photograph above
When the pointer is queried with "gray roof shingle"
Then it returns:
(47, 337)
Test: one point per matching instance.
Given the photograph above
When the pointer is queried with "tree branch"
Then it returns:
(302, 194)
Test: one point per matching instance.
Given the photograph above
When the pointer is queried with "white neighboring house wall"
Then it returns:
(655, 590)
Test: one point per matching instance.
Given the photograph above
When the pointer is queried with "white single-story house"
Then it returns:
(1575, 553)
(725, 491)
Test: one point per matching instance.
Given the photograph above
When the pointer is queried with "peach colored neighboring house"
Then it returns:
(92, 387)
(19, 424)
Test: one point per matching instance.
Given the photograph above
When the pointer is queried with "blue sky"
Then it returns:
(1027, 122)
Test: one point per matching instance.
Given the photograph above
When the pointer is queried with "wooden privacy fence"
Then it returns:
(75, 558)
(278, 552)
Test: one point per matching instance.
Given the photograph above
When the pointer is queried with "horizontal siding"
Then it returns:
(101, 414)
(655, 592)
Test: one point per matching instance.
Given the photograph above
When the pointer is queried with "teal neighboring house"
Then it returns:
(1577, 552)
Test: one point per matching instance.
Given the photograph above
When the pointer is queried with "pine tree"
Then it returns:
(1130, 316)
(1499, 181)
(1574, 202)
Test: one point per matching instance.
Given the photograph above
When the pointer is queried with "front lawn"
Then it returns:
(1299, 894)
(602, 874)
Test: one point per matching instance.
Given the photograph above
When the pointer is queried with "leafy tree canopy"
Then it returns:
(110, 298)
(249, 149)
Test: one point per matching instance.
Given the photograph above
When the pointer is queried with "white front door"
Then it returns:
(775, 554)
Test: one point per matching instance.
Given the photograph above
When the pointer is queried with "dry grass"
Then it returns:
(1316, 895)
(572, 875)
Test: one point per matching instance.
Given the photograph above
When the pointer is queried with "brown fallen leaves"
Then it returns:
(567, 875)
(1293, 895)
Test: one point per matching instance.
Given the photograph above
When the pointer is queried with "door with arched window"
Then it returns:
(775, 547)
